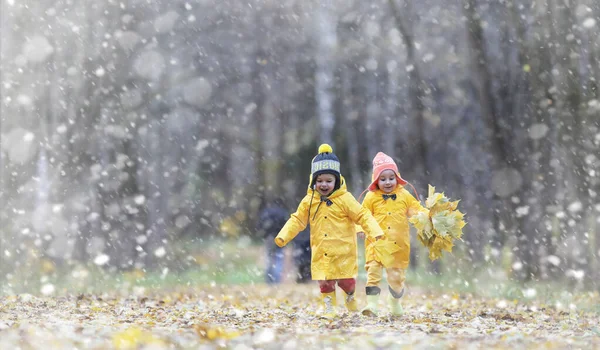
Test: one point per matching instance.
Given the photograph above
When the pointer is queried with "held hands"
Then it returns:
(280, 242)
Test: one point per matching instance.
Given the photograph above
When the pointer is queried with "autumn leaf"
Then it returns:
(212, 333)
(133, 338)
(47, 266)
(232, 225)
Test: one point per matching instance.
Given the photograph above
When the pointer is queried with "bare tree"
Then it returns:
(326, 43)
(415, 90)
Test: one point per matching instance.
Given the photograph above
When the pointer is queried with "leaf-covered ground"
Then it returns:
(259, 316)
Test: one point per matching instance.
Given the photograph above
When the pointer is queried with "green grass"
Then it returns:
(215, 262)
(238, 262)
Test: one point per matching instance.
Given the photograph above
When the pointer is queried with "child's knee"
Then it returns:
(348, 285)
(396, 279)
(327, 286)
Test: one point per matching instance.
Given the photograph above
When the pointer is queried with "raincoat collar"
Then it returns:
(396, 191)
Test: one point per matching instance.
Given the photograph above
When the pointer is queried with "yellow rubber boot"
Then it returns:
(372, 306)
(329, 304)
(351, 303)
(395, 306)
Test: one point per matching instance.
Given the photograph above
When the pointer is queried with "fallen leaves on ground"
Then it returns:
(285, 316)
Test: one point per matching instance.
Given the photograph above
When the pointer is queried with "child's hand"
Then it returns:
(280, 242)
(379, 237)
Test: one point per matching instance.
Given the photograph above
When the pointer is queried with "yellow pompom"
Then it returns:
(325, 148)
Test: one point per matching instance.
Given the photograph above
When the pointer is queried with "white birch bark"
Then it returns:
(326, 46)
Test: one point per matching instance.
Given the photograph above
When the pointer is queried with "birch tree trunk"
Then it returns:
(326, 46)
(258, 96)
(372, 114)
(350, 128)
(391, 121)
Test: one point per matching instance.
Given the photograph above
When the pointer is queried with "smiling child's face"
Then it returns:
(325, 184)
(387, 181)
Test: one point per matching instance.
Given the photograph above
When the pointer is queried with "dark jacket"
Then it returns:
(271, 220)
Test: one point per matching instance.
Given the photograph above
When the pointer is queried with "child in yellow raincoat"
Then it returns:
(332, 212)
(392, 206)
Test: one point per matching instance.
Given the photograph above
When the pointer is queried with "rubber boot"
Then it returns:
(329, 304)
(372, 306)
(351, 303)
(395, 306)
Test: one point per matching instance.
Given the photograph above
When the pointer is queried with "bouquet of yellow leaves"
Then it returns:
(438, 227)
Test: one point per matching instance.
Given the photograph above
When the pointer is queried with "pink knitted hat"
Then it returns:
(383, 162)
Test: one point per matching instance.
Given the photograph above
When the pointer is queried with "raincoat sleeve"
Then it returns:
(414, 206)
(358, 228)
(367, 203)
(363, 217)
(294, 225)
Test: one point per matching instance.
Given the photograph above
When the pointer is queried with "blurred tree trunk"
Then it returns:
(273, 127)
(156, 192)
(488, 109)
(543, 176)
(415, 97)
(372, 114)
(594, 47)
(326, 46)
(584, 64)
(593, 157)
(91, 115)
(351, 130)
(573, 188)
(80, 155)
(259, 99)
(391, 121)
(525, 99)
(415, 89)
(9, 27)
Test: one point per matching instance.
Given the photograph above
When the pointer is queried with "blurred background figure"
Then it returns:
(272, 217)
(301, 255)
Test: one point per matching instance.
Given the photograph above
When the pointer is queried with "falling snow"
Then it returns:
(149, 65)
(37, 49)
(197, 92)
(160, 252)
(100, 72)
(589, 23)
(166, 22)
(140, 139)
(538, 131)
(575, 207)
(128, 40)
(506, 182)
(101, 259)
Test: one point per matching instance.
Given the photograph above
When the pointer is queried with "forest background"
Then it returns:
(132, 132)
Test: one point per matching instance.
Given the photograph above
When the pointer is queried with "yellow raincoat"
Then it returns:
(392, 216)
(332, 232)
